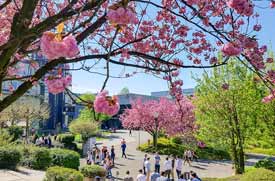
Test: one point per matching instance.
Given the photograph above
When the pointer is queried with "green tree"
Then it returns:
(228, 109)
(123, 91)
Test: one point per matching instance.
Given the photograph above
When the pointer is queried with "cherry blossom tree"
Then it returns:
(171, 117)
(155, 37)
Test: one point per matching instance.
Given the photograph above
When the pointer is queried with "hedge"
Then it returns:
(91, 171)
(260, 174)
(35, 157)
(9, 157)
(62, 174)
(266, 163)
(15, 131)
(66, 138)
(65, 158)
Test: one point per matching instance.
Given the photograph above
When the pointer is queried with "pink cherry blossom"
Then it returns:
(269, 98)
(52, 48)
(122, 16)
(172, 117)
(106, 104)
(272, 4)
(243, 7)
(231, 49)
(57, 84)
(257, 27)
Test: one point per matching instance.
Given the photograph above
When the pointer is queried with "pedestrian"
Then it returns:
(168, 167)
(49, 141)
(147, 165)
(108, 167)
(190, 156)
(157, 162)
(104, 151)
(194, 156)
(194, 176)
(182, 177)
(143, 164)
(123, 148)
(186, 158)
(173, 166)
(178, 166)
(154, 175)
(113, 154)
(141, 176)
(130, 132)
(89, 157)
(162, 177)
(128, 177)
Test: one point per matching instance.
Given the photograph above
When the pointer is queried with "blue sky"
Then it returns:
(145, 84)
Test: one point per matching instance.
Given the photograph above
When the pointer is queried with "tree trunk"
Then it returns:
(27, 130)
(155, 139)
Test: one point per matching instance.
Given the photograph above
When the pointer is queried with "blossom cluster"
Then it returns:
(242, 7)
(122, 16)
(106, 104)
(53, 48)
(57, 84)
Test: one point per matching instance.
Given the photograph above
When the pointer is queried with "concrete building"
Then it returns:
(186, 92)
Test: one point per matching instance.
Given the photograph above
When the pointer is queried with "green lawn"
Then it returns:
(233, 178)
(270, 151)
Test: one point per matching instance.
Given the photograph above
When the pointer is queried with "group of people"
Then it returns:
(169, 165)
(43, 141)
(155, 176)
(105, 157)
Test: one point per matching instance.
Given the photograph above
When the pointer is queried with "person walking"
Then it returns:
(49, 141)
(168, 167)
(178, 166)
(147, 165)
(123, 148)
(186, 158)
(143, 164)
(128, 177)
(141, 176)
(154, 175)
(173, 166)
(130, 132)
(157, 162)
(162, 177)
(113, 154)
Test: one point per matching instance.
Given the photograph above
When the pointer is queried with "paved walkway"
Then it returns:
(135, 158)
(134, 161)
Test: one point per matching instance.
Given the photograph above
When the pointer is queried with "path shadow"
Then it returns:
(119, 164)
(198, 167)
(130, 158)
(130, 155)
(23, 172)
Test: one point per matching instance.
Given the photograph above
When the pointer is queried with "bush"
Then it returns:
(168, 147)
(91, 171)
(40, 158)
(66, 138)
(15, 131)
(63, 174)
(65, 158)
(9, 157)
(86, 129)
(177, 140)
(259, 175)
(35, 157)
(266, 163)
(5, 138)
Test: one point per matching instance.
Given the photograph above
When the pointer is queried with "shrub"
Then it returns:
(86, 129)
(40, 158)
(63, 174)
(212, 153)
(35, 157)
(65, 158)
(266, 163)
(9, 157)
(259, 175)
(91, 171)
(177, 140)
(5, 137)
(66, 138)
(15, 131)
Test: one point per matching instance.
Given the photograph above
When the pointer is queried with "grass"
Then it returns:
(265, 151)
(233, 178)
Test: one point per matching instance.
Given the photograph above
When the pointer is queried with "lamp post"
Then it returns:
(156, 114)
